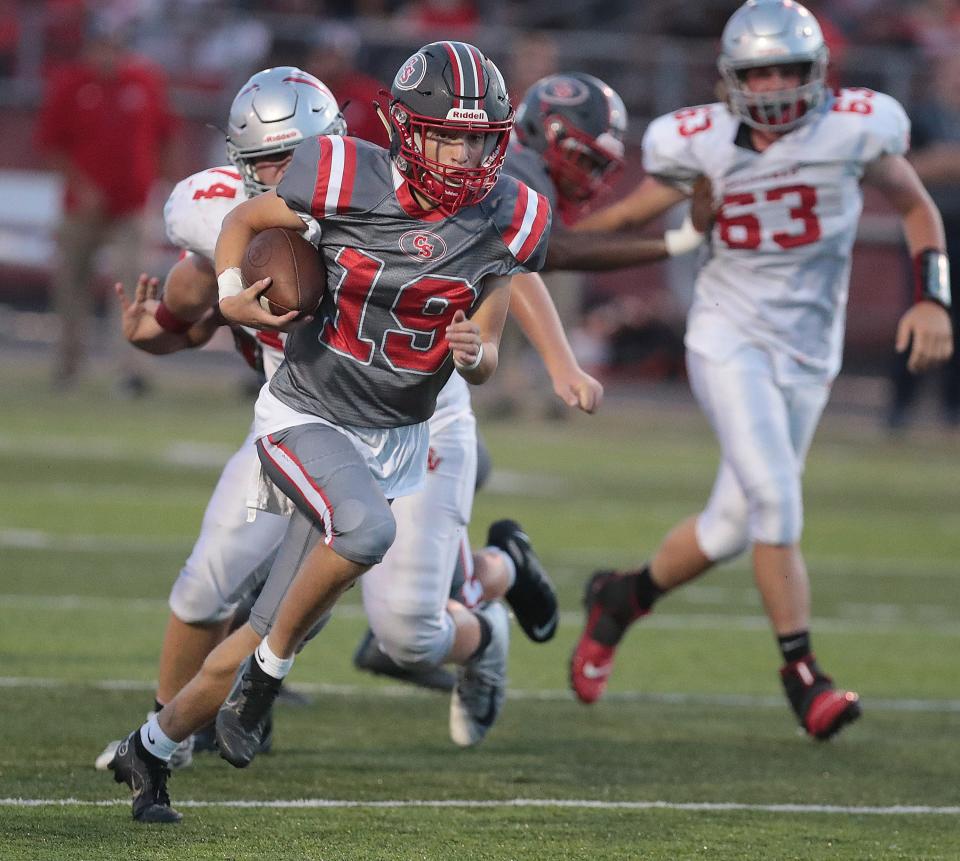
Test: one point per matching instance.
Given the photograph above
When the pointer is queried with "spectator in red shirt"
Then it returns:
(106, 125)
(333, 59)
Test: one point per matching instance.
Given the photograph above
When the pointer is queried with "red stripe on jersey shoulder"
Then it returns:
(519, 208)
(537, 230)
(349, 174)
(231, 173)
(317, 207)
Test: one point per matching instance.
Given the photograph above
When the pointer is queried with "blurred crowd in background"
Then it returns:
(659, 55)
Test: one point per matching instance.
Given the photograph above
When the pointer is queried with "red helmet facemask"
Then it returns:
(448, 186)
(579, 164)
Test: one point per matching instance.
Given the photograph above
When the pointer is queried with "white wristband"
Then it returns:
(474, 364)
(683, 239)
(229, 283)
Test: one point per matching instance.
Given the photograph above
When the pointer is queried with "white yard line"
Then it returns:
(558, 803)
(862, 618)
(391, 691)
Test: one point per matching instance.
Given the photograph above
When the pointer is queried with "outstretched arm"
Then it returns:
(531, 305)
(925, 328)
(605, 240)
(184, 317)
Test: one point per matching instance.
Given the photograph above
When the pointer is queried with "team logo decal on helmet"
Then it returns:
(411, 73)
(446, 90)
(423, 245)
(564, 91)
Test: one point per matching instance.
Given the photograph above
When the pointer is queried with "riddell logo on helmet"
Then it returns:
(463, 114)
(279, 137)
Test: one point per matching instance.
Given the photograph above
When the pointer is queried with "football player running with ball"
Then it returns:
(786, 158)
(273, 112)
(342, 426)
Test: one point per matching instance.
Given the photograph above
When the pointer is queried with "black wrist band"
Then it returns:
(932, 274)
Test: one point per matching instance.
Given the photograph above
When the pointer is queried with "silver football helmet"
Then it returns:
(771, 33)
(276, 110)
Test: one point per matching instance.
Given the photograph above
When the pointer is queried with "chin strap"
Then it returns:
(931, 269)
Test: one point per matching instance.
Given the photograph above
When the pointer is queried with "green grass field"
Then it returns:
(100, 503)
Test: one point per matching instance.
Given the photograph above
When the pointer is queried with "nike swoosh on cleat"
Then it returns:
(150, 738)
(591, 671)
(540, 631)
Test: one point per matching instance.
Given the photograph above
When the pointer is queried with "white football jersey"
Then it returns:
(780, 248)
(193, 214)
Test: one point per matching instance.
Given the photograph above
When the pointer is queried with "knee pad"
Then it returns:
(415, 642)
(722, 533)
(363, 535)
(196, 600)
(776, 513)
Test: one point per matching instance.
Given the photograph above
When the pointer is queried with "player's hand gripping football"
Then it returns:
(463, 336)
(576, 388)
(926, 330)
(133, 313)
(244, 309)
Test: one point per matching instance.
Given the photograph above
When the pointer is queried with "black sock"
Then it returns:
(794, 646)
(647, 591)
(486, 635)
(623, 598)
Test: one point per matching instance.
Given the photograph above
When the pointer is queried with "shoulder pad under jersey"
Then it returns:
(673, 143)
(197, 206)
(335, 175)
(523, 217)
(527, 165)
(868, 124)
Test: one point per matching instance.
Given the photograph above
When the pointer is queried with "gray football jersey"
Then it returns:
(527, 165)
(376, 355)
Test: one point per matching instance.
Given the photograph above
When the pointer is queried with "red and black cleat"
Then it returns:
(592, 659)
(822, 709)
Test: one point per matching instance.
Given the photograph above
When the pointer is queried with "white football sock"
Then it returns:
(269, 662)
(156, 741)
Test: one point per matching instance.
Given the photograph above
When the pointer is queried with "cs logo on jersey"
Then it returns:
(411, 73)
(422, 245)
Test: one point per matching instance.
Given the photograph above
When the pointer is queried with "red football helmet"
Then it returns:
(577, 123)
(450, 88)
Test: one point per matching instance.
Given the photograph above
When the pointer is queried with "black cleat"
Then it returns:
(369, 658)
(243, 719)
(532, 596)
(146, 775)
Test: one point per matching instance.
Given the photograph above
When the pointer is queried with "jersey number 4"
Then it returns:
(422, 310)
(743, 230)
